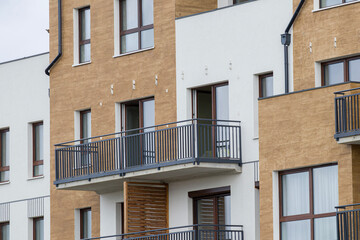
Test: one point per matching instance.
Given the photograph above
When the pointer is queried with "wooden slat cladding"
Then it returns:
(146, 206)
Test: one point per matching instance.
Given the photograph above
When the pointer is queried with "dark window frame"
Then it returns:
(82, 211)
(307, 216)
(1, 225)
(345, 62)
(82, 113)
(34, 226)
(139, 102)
(36, 162)
(261, 77)
(85, 41)
(138, 29)
(3, 168)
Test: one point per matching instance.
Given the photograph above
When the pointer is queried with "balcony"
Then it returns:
(347, 116)
(348, 222)
(159, 153)
(191, 232)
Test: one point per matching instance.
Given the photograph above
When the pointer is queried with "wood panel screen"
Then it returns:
(146, 206)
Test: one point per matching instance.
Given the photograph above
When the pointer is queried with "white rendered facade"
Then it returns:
(24, 100)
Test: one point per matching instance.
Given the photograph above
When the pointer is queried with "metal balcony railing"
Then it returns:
(191, 232)
(195, 140)
(348, 222)
(347, 116)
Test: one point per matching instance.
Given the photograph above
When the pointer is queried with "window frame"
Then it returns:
(34, 161)
(138, 29)
(1, 225)
(82, 211)
(262, 76)
(3, 168)
(86, 41)
(342, 2)
(345, 62)
(307, 216)
(35, 220)
(140, 103)
(82, 113)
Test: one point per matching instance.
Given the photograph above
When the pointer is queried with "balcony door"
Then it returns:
(138, 117)
(212, 102)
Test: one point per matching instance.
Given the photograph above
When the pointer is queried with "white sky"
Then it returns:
(22, 28)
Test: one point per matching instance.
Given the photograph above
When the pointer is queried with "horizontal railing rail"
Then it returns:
(348, 222)
(347, 113)
(190, 232)
(195, 140)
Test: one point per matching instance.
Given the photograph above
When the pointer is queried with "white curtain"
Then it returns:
(295, 193)
(296, 230)
(325, 228)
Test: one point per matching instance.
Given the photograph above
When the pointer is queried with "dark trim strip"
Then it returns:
(210, 192)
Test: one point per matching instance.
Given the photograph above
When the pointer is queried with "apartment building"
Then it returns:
(309, 154)
(24, 149)
(154, 115)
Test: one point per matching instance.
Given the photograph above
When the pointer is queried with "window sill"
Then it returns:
(335, 6)
(4, 183)
(34, 178)
(81, 64)
(130, 53)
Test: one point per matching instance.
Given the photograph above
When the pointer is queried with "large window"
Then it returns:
(84, 35)
(38, 228)
(328, 3)
(266, 85)
(307, 203)
(338, 71)
(136, 25)
(5, 231)
(38, 149)
(4, 155)
(85, 223)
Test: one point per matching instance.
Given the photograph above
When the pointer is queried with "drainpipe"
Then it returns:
(286, 40)
(59, 41)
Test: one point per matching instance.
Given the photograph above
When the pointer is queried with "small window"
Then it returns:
(4, 155)
(5, 231)
(38, 149)
(38, 228)
(84, 35)
(328, 3)
(85, 223)
(266, 85)
(136, 25)
(344, 70)
(85, 125)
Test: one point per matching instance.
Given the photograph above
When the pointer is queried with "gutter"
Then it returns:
(59, 41)
(286, 40)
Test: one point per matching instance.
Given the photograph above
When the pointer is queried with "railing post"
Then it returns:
(56, 165)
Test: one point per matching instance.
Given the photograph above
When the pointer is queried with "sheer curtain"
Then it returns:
(325, 228)
(295, 193)
(296, 230)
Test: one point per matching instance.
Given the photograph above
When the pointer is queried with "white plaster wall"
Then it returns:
(109, 222)
(24, 99)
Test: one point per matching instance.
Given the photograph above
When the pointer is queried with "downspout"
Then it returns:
(286, 40)
(59, 41)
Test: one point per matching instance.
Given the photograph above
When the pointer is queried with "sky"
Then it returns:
(23, 25)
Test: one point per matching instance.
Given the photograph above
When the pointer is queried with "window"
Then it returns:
(5, 231)
(85, 223)
(328, 3)
(38, 228)
(266, 85)
(4, 155)
(38, 149)
(239, 1)
(136, 25)
(85, 133)
(84, 35)
(338, 71)
(307, 203)
(85, 125)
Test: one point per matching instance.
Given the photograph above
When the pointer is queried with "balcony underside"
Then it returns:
(348, 138)
(182, 170)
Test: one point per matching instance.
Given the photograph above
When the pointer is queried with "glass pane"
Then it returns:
(325, 189)
(86, 125)
(295, 193)
(87, 224)
(39, 142)
(85, 24)
(297, 230)
(147, 12)
(267, 86)
(224, 211)
(4, 176)
(147, 38)
(5, 149)
(327, 3)
(149, 139)
(354, 70)
(39, 228)
(334, 73)
(149, 114)
(325, 228)
(222, 102)
(129, 42)
(85, 51)
(129, 14)
(205, 211)
(5, 232)
(38, 170)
